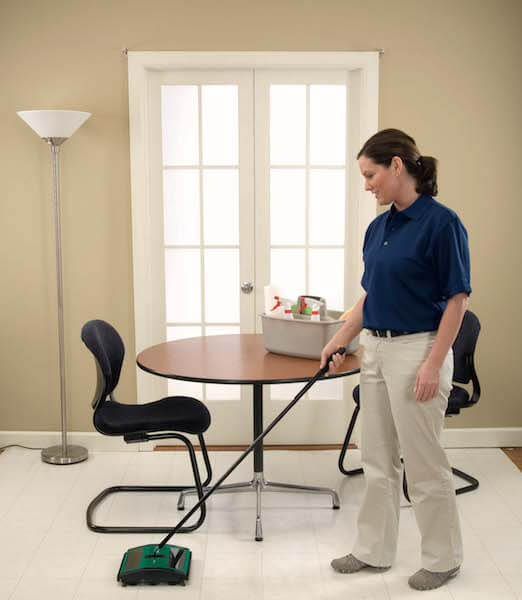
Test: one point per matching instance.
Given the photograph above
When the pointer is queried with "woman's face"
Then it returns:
(380, 180)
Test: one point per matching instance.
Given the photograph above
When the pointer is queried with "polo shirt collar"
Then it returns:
(415, 210)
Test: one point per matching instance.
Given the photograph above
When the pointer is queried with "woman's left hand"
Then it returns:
(427, 382)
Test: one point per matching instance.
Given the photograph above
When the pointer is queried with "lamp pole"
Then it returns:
(64, 454)
(55, 149)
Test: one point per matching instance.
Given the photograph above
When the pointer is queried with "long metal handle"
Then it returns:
(310, 383)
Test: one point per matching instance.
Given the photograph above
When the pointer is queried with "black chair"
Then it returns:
(161, 419)
(459, 398)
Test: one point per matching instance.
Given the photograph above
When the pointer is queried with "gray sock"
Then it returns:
(350, 564)
(429, 580)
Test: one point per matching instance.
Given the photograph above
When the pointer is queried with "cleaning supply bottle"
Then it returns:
(288, 310)
(277, 309)
(271, 292)
(316, 316)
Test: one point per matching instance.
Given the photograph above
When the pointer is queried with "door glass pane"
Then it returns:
(222, 329)
(222, 285)
(183, 285)
(178, 387)
(326, 390)
(221, 206)
(322, 390)
(220, 127)
(181, 204)
(287, 124)
(180, 129)
(223, 391)
(327, 202)
(287, 271)
(182, 332)
(287, 206)
(327, 124)
(285, 391)
(327, 275)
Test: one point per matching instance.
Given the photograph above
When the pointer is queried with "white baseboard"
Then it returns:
(495, 437)
(482, 437)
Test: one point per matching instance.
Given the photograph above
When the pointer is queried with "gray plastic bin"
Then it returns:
(301, 336)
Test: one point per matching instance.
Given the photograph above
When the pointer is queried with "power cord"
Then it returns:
(18, 446)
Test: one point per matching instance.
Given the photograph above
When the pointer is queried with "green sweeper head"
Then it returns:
(151, 564)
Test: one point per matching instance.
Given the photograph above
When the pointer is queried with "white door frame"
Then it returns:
(363, 72)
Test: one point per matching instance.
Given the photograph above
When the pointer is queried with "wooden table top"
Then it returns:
(238, 358)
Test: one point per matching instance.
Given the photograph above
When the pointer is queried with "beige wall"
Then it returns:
(450, 76)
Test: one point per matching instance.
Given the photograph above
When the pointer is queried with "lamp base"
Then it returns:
(55, 455)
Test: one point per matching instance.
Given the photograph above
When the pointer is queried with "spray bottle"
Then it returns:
(316, 316)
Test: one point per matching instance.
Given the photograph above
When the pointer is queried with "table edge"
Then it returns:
(245, 381)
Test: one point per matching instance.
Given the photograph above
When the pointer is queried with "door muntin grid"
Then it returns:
(200, 144)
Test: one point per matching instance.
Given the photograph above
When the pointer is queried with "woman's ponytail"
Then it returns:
(426, 176)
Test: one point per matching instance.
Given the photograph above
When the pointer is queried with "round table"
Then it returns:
(239, 359)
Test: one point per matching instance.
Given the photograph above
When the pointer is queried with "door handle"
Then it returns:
(247, 287)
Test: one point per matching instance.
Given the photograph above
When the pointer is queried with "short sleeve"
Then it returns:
(364, 280)
(366, 236)
(451, 254)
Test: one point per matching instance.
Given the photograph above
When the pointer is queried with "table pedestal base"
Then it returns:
(258, 484)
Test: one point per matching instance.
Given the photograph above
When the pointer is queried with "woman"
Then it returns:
(417, 283)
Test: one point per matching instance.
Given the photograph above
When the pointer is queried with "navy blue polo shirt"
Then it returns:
(414, 260)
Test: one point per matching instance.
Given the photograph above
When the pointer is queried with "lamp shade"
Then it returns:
(54, 123)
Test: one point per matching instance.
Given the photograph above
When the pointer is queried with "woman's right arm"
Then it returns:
(349, 330)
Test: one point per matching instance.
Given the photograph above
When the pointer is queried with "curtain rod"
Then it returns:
(125, 51)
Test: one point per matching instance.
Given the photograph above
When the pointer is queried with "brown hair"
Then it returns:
(386, 144)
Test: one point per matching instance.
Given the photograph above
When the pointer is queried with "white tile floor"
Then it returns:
(47, 551)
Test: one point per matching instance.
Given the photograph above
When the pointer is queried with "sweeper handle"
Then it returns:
(310, 383)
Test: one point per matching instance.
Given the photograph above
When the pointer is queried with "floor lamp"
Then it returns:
(54, 127)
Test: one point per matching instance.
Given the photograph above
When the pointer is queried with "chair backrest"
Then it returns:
(464, 348)
(107, 347)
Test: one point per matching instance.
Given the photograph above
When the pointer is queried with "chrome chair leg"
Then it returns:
(150, 488)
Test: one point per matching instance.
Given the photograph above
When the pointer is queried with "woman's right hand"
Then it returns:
(337, 359)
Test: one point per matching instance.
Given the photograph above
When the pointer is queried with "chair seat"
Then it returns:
(173, 413)
(458, 398)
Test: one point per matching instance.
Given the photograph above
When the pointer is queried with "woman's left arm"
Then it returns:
(427, 383)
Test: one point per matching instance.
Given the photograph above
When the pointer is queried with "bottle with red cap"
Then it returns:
(316, 315)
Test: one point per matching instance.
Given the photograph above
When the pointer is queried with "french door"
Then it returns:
(249, 182)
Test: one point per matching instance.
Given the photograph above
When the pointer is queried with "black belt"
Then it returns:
(391, 332)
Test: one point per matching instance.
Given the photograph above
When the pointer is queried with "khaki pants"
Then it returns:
(394, 422)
